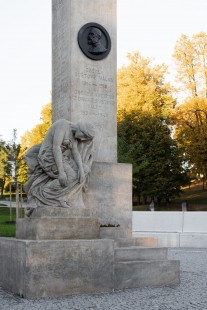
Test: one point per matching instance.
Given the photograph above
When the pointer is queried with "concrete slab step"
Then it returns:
(124, 242)
(146, 273)
(136, 241)
(134, 253)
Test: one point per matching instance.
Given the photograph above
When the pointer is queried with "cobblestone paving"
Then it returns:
(191, 294)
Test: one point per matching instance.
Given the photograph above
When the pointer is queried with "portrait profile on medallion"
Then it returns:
(94, 41)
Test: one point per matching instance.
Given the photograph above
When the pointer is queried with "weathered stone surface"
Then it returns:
(137, 241)
(109, 194)
(129, 254)
(146, 273)
(164, 239)
(193, 240)
(50, 212)
(112, 233)
(57, 228)
(84, 89)
(36, 269)
(145, 241)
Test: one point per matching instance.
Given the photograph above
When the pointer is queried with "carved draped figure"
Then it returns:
(43, 187)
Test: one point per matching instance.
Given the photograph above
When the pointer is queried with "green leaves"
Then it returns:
(145, 141)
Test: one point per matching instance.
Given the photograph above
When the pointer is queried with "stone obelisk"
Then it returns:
(84, 83)
(84, 89)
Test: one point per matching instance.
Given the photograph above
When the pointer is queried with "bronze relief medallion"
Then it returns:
(94, 41)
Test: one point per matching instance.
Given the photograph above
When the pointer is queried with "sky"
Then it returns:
(148, 26)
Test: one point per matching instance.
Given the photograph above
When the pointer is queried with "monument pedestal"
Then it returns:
(48, 268)
(49, 223)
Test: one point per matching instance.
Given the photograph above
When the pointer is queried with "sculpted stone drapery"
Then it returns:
(59, 167)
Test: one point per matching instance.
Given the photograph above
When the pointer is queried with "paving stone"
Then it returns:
(190, 294)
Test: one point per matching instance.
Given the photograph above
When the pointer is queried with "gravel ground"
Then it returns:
(191, 293)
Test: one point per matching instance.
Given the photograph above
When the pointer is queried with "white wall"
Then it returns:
(173, 229)
(169, 221)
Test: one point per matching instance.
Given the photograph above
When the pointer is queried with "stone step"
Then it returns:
(135, 253)
(57, 228)
(136, 241)
(146, 273)
(124, 242)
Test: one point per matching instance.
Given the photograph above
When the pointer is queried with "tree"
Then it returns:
(35, 136)
(190, 57)
(142, 87)
(190, 118)
(146, 142)
(5, 167)
(190, 121)
(9, 160)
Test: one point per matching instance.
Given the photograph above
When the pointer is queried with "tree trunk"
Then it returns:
(168, 203)
(138, 200)
(158, 201)
(2, 188)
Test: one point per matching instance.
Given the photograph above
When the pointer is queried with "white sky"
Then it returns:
(149, 26)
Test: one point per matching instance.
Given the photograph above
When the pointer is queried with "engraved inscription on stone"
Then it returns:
(93, 95)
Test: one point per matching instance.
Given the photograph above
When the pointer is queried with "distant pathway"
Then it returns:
(190, 294)
(6, 203)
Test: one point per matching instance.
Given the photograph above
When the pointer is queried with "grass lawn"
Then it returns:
(7, 230)
(195, 196)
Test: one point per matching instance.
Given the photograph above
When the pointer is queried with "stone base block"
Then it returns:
(35, 269)
(179, 239)
(146, 273)
(165, 239)
(112, 233)
(139, 241)
(193, 240)
(57, 228)
(130, 254)
(145, 241)
(58, 212)
(109, 194)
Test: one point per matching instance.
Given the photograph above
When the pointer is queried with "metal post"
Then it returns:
(21, 198)
(10, 201)
(17, 201)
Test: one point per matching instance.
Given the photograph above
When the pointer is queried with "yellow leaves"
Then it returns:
(141, 86)
(32, 137)
(37, 133)
(190, 120)
(190, 57)
(189, 111)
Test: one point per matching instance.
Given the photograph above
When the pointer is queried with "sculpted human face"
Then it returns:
(78, 134)
(93, 37)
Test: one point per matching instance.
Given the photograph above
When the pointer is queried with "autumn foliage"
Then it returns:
(162, 129)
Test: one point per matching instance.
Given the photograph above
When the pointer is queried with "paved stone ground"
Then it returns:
(190, 294)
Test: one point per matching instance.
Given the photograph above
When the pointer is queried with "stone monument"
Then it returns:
(75, 183)
(84, 89)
